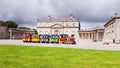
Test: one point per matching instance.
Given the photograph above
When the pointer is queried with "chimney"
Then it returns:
(115, 14)
(49, 17)
(71, 16)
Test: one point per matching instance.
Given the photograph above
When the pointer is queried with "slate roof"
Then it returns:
(52, 19)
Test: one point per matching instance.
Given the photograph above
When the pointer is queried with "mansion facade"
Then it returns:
(112, 30)
(69, 26)
(52, 25)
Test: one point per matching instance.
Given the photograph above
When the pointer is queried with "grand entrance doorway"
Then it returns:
(56, 29)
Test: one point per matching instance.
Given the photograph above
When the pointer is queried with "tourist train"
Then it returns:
(45, 38)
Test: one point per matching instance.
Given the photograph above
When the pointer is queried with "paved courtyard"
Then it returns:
(82, 45)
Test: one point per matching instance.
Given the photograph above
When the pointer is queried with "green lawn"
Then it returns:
(48, 57)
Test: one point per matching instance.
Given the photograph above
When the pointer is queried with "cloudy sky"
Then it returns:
(90, 12)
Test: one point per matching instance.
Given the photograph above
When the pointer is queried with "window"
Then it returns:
(73, 31)
(40, 32)
(66, 32)
(1, 34)
(56, 32)
(67, 25)
(46, 32)
(73, 24)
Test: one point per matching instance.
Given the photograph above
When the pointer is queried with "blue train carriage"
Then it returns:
(45, 38)
(54, 38)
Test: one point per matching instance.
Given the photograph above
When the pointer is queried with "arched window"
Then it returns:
(73, 24)
(56, 32)
(46, 32)
(66, 32)
(67, 25)
(40, 32)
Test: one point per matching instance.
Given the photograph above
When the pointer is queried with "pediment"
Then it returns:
(56, 26)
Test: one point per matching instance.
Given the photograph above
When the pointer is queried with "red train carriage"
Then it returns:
(62, 39)
(27, 37)
(67, 41)
(72, 39)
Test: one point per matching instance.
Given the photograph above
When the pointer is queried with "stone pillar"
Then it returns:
(82, 35)
(89, 35)
(85, 35)
(97, 36)
(11, 34)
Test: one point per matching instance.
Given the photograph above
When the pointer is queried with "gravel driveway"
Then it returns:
(82, 45)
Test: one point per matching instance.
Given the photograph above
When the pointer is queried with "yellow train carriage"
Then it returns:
(35, 38)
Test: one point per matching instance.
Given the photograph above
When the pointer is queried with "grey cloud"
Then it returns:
(26, 12)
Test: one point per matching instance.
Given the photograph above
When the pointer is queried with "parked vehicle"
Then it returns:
(54, 38)
(35, 38)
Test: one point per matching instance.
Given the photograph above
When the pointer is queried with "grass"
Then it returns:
(47, 57)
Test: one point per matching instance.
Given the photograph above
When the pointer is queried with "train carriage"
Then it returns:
(72, 39)
(35, 38)
(63, 38)
(54, 38)
(45, 38)
(25, 37)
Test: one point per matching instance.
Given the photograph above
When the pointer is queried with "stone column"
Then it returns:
(81, 35)
(97, 36)
(10, 34)
(89, 36)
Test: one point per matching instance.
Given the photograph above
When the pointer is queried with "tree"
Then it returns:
(9, 24)
(24, 28)
(2, 23)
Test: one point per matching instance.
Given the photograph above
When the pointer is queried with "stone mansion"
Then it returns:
(69, 26)
(50, 25)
